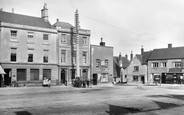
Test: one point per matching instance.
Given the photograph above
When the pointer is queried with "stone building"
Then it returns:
(166, 63)
(101, 63)
(28, 51)
(120, 68)
(66, 46)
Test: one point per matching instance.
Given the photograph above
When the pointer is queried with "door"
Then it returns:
(163, 78)
(95, 79)
(142, 79)
(85, 75)
(63, 76)
(7, 77)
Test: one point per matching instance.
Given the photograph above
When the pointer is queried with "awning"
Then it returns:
(175, 70)
(1, 70)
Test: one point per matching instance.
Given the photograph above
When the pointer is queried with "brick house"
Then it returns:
(101, 63)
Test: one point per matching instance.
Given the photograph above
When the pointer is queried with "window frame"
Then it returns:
(63, 56)
(13, 55)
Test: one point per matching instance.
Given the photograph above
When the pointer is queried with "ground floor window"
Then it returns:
(47, 73)
(104, 77)
(21, 74)
(34, 74)
(135, 78)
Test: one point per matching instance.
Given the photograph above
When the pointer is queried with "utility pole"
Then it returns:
(77, 42)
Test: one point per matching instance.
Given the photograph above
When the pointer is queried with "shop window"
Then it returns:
(21, 74)
(34, 74)
(47, 73)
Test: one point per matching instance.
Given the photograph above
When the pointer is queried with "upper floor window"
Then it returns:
(155, 64)
(46, 56)
(136, 68)
(177, 64)
(63, 56)
(106, 63)
(30, 35)
(13, 56)
(13, 34)
(164, 64)
(63, 38)
(97, 63)
(84, 57)
(45, 37)
(84, 40)
(30, 55)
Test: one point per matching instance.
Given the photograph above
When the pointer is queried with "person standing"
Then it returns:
(181, 79)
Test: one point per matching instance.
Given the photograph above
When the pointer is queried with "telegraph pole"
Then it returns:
(77, 42)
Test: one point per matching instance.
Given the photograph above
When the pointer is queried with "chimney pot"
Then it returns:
(57, 20)
(12, 10)
(169, 45)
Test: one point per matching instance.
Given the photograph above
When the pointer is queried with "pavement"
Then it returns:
(165, 99)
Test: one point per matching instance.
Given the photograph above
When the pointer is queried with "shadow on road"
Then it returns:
(174, 96)
(117, 110)
(22, 113)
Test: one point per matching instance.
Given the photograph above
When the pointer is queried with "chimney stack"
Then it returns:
(169, 45)
(131, 56)
(44, 12)
(120, 60)
(142, 50)
(12, 10)
(126, 56)
(102, 43)
(57, 20)
(1, 9)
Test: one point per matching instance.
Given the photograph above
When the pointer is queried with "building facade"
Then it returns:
(28, 48)
(66, 45)
(120, 68)
(167, 64)
(101, 63)
(136, 72)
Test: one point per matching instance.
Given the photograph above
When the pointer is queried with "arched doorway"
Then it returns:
(63, 76)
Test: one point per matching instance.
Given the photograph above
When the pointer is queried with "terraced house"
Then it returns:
(28, 48)
(66, 46)
(166, 63)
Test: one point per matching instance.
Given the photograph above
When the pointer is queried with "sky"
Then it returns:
(125, 25)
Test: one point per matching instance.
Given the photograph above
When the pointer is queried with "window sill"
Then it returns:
(14, 40)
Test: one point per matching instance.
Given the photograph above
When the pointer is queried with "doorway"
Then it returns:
(63, 76)
(95, 76)
(142, 79)
(7, 77)
(85, 75)
(163, 77)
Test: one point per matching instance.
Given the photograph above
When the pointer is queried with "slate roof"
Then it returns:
(63, 24)
(139, 57)
(167, 53)
(24, 20)
(125, 61)
(145, 57)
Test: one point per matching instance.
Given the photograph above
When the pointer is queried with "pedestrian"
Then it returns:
(87, 83)
(181, 79)
(49, 82)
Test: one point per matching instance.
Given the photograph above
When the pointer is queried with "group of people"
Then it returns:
(46, 82)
